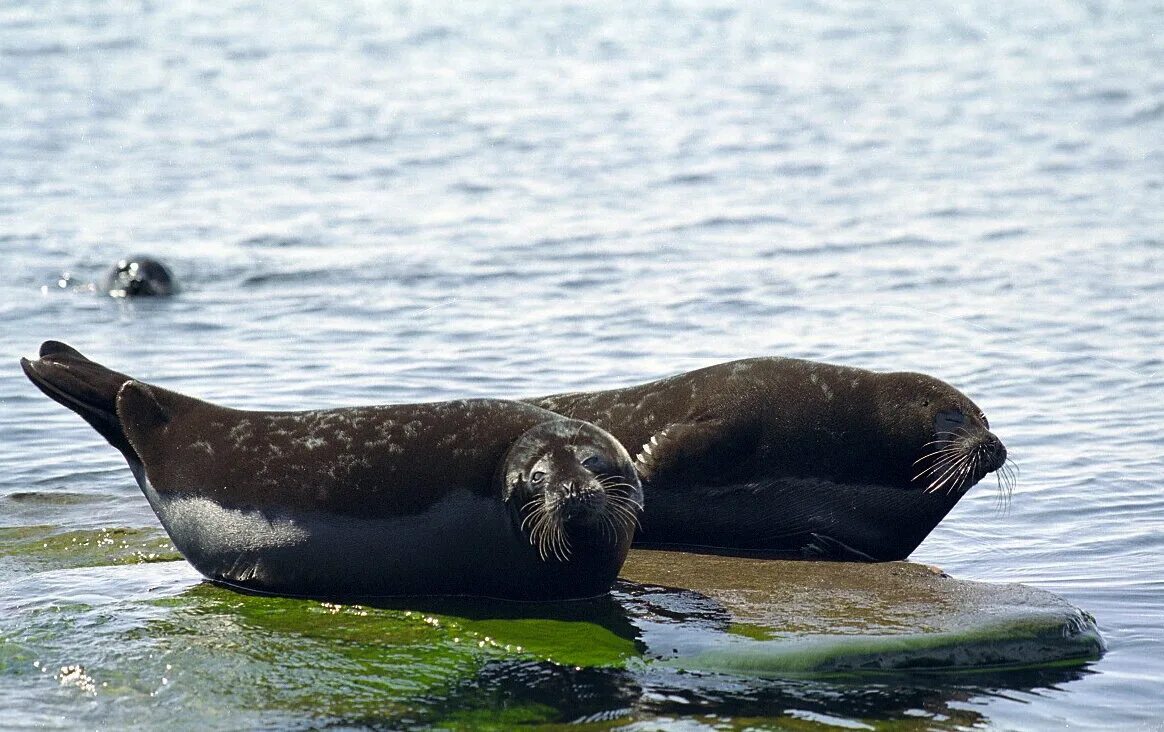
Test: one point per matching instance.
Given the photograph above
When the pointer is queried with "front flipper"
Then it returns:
(709, 451)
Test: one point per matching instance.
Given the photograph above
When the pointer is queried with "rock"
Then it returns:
(772, 617)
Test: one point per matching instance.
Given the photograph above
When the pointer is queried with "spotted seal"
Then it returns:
(476, 497)
(794, 458)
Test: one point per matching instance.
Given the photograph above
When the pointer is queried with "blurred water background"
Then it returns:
(371, 202)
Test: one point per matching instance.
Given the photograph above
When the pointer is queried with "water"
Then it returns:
(393, 202)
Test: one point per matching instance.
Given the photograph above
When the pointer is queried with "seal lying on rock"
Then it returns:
(794, 458)
(475, 497)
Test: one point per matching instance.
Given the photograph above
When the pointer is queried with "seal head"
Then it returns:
(139, 276)
(944, 438)
(571, 482)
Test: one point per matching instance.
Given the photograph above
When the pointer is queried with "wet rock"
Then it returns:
(842, 618)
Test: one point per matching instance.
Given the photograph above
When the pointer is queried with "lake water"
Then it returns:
(375, 202)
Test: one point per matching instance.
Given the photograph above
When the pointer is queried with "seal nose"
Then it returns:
(995, 451)
(579, 502)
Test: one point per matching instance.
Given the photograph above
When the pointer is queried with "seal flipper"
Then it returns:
(86, 387)
(709, 451)
(138, 408)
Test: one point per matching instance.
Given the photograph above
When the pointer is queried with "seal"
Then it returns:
(476, 497)
(793, 458)
(138, 276)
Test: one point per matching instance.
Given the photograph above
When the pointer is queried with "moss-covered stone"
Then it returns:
(49, 547)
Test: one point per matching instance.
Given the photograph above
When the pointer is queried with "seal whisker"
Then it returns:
(956, 481)
(948, 475)
(959, 479)
(934, 455)
(606, 524)
(540, 533)
(533, 521)
(940, 483)
(622, 487)
(619, 485)
(613, 481)
(1006, 480)
(944, 460)
(562, 543)
(950, 449)
(547, 535)
(545, 538)
(1002, 498)
(974, 469)
(622, 495)
(940, 465)
(624, 501)
(946, 446)
(621, 508)
(1009, 472)
(533, 510)
(621, 527)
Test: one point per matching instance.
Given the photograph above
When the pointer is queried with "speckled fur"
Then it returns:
(783, 457)
(367, 501)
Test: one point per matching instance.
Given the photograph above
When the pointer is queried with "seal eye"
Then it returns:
(985, 421)
(594, 464)
(537, 476)
(948, 422)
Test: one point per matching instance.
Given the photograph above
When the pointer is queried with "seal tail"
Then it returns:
(84, 386)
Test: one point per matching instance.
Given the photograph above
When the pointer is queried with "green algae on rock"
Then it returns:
(49, 547)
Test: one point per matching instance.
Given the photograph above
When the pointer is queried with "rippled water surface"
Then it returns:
(377, 202)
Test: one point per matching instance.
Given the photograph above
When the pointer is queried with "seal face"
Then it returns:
(139, 276)
(475, 497)
(794, 458)
(571, 487)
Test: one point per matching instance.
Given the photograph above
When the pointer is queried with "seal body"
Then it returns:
(794, 458)
(477, 497)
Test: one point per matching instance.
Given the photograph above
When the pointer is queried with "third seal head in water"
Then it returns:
(794, 458)
(474, 497)
(139, 276)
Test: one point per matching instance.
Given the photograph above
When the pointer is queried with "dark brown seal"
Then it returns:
(476, 497)
(139, 276)
(793, 458)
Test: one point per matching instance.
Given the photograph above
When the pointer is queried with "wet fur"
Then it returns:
(793, 458)
(417, 499)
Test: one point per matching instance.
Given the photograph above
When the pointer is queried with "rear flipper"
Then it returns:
(86, 387)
